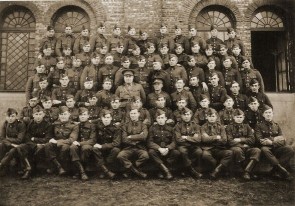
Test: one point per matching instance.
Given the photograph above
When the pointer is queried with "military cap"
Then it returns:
(161, 45)
(101, 24)
(149, 44)
(43, 79)
(234, 82)
(141, 57)
(66, 25)
(213, 74)
(158, 81)
(177, 27)
(181, 97)
(212, 27)
(265, 108)
(95, 54)
(59, 59)
(63, 76)
(37, 108)
(163, 25)
(120, 43)
(108, 55)
(130, 27)
(88, 79)
(209, 46)
(50, 28)
(235, 45)
(70, 96)
(227, 97)
(226, 57)
(133, 107)
(253, 81)
(186, 110)
(11, 111)
(244, 58)
(211, 111)
(104, 112)
(82, 110)
(46, 98)
(134, 47)
(124, 58)
(65, 47)
(128, 72)
(107, 79)
(159, 96)
(253, 99)
(204, 96)
(190, 57)
(102, 45)
(238, 112)
(84, 28)
(86, 43)
(230, 29)
(91, 96)
(76, 57)
(178, 79)
(116, 26)
(141, 32)
(46, 47)
(157, 59)
(136, 98)
(114, 98)
(159, 112)
(211, 59)
(34, 98)
(178, 45)
(222, 46)
(63, 109)
(172, 56)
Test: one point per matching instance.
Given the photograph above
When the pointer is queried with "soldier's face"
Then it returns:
(109, 60)
(92, 101)
(95, 60)
(214, 80)
(137, 104)
(88, 84)
(50, 33)
(254, 105)
(86, 48)
(40, 69)
(193, 32)
(232, 34)
(246, 64)
(186, 116)
(38, 116)
(179, 50)
(227, 63)
(144, 36)
(68, 30)
(11, 118)
(212, 118)
(235, 88)
(157, 66)
(179, 84)
(64, 81)
(239, 119)
(107, 119)
(209, 51)
(101, 30)
(85, 32)
(236, 51)
(161, 102)
(181, 104)
(103, 50)
(136, 51)
(161, 119)
(141, 63)
(84, 116)
(178, 31)
(151, 49)
(223, 51)
(67, 52)
(70, 103)
(163, 30)
(192, 62)
(164, 50)
(268, 115)
(134, 115)
(117, 31)
(64, 117)
(126, 64)
(77, 62)
(47, 104)
(120, 49)
(173, 61)
(43, 84)
(229, 103)
(33, 102)
(115, 104)
(60, 65)
(107, 85)
(47, 52)
(132, 32)
(214, 33)
(255, 87)
(158, 86)
(128, 78)
(196, 48)
(205, 103)
(194, 81)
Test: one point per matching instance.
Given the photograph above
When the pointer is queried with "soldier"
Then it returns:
(182, 57)
(129, 89)
(230, 74)
(118, 54)
(255, 92)
(144, 115)
(134, 138)
(212, 69)
(161, 105)
(142, 41)
(108, 70)
(233, 39)
(241, 140)
(91, 71)
(99, 38)
(65, 39)
(214, 40)
(51, 113)
(196, 89)
(47, 60)
(273, 144)
(129, 40)
(188, 139)
(200, 116)
(39, 132)
(214, 141)
(217, 93)
(179, 38)
(65, 133)
(159, 73)
(119, 78)
(44, 89)
(164, 54)
(152, 97)
(93, 109)
(134, 58)
(200, 59)
(74, 74)
(85, 55)
(116, 38)
(81, 40)
(151, 55)
(143, 74)
(253, 114)
(59, 94)
(181, 104)
(55, 74)
(49, 41)
(118, 113)
(161, 143)
(240, 100)
(209, 54)
(104, 95)
(163, 38)
(227, 114)
(12, 135)
(72, 108)
(195, 71)
(195, 39)
(27, 112)
(68, 58)
(236, 51)
(223, 54)
(107, 145)
(81, 97)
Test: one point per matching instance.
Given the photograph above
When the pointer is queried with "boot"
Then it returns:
(110, 174)
(81, 170)
(28, 169)
(195, 173)
(286, 175)
(248, 170)
(61, 171)
(216, 172)
(137, 172)
(166, 171)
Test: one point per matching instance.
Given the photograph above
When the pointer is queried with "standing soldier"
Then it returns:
(59, 94)
(99, 38)
(180, 39)
(74, 74)
(116, 38)
(217, 93)
(51, 113)
(233, 39)
(81, 40)
(91, 71)
(152, 97)
(49, 41)
(65, 39)
(195, 39)
(130, 40)
(162, 38)
(214, 40)
(108, 70)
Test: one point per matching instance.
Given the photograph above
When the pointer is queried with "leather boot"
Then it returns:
(195, 173)
(110, 174)
(61, 171)
(166, 171)
(137, 172)
(248, 170)
(27, 170)
(284, 172)
(81, 170)
(216, 172)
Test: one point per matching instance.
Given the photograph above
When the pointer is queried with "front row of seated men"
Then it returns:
(212, 143)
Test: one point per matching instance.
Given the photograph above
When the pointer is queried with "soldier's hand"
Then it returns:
(237, 139)
(170, 121)
(55, 101)
(267, 142)
(53, 141)
(14, 145)
(87, 104)
(33, 139)
(162, 150)
(184, 137)
(39, 56)
(117, 123)
(218, 137)
(97, 146)
(51, 69)
(166, 152)
(205, 87)
(76, 143)
(186, 88)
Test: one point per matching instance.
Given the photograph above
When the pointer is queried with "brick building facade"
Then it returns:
(266, 27)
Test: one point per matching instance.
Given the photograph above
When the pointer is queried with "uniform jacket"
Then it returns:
(13, 133)
(189, 129)
(209, 132)
(87, 133)
(192, 104)
(108, 136)
(79, 43)
(161, 136)
(62, 41)
(152, 98)
(138, 132)
(65, 132)
(42, 132)
(82, 96)
(242, 131)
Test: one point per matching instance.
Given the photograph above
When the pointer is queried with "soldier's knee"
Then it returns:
(228, 153)
(121, 155)
(182, 150)
(256, 151)
(265, 149)
(236, 150)
(152, 152)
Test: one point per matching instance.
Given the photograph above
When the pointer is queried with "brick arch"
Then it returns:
(191, 9)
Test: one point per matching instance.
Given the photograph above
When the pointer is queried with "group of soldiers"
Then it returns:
(124, 100)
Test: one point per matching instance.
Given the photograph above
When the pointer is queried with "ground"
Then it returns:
(53, 190)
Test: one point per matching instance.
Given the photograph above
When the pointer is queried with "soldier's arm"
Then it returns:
(184, 75)
(221, 79)
(58, 47)
(119, 79)
(258, 133)
(48, 134)
(142, 95)
(206, 138)
(250, 139)
(74, 134)
(196, 138)
(148, 119)
(260, 80)
(239, 78)
(3, 131)
(279, 140)
(229, 134)
(177, 131)
(21, 132)
(92, 137)
(150, 140)
(117, 138)
(84, 74)
(141, 136)
(192, 101)
(186, 45)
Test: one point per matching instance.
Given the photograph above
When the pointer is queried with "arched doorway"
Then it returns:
(70, 15)
(17, 47)
(217, 15)
(270, 49)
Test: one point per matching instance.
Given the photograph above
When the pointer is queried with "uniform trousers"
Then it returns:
(125, 155)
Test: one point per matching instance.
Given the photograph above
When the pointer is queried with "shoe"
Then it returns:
(138, 173)
(110, 174)
(215, 173)
(26, 175)
(246, 176)
(195, 173)
(166, 171)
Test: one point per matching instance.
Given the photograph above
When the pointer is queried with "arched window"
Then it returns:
(17, 47)
(267, 20)
(214, 15)
(70, 15)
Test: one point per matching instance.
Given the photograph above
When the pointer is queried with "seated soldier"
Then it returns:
(72, 108)
(159, 73)
(107, 144)
(85, 55)
(65, 133)
(125, 65)
(273, 144)
(164, 54)
(104, 95)
(212, 57)
(181, 104)
(253, 114)
(59, 94)
(82, 96)
(241, 140)
(196, 71)
(134, 58)
(197, 52)
(27, 112)
(81, 148)
(212, 69)
(260, 96)
(43, 90)
(12, 134)
(181, 55)
(143, 74)
(240, 100)
(214, 141)
(134, 138)
(93, 109)
(161, 143)
(188, 139)
(51, 113)
(56, 72)
(226, 114)
(118, 113)
(39, 132)
(74, 74)
(152, 97)
(161, 104)
(196, 89)
(230, 74)
(217, 93)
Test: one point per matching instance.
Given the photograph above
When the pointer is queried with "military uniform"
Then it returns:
(168, 112)
(117, 58)
(195, 71)
(240, 101)
(106, 71)
(162, 39)
(79, 43)
(144, 116)
(74, 75)
(247, 75)
(180, 39)
(41, 93)
(231, 41)
(129, 43)
(32, 85)
(219, 74)
(54, 77)
(74, 114)
(226, 116)
(90, 72)
(201, 60)
(152, 98)
(61, 93)
(162, 74)
(253, 117)
(217, 97)
(199, 40)
(231, 75)
(200, 116)
(85, 57)
(176, 72)
(150, 59)
(215, 42)
(68, 61)
(177, 115)
(197, 91)
(51, 115)
(234, 64)
(192, 104)
(114, 41)
(65, 40)
(94, 112)
(97, 40)
(26, 114)
(127, 92)
(48, 42)
(218, 66)
(104, 98)
(82, 96)
(261, 97)
(142, 76)
(182, 59)
(48, 62)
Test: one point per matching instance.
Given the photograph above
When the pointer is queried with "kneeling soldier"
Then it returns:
(241, 139)
(214, 142)
(134, 137)
(161, 143)
(273, 143)
(108, 142)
